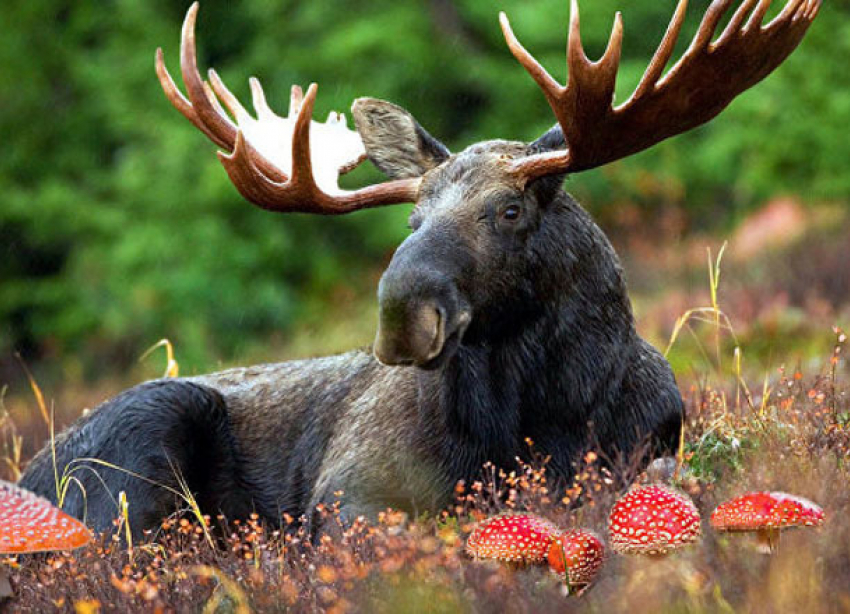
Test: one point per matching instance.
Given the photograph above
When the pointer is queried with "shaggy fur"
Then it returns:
(535, 336)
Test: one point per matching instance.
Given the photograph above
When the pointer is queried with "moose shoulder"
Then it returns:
(503, 316)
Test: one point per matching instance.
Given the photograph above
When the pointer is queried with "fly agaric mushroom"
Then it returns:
(514, 538)
(29, 524)
(577, 555)
(766, 514)
(653, 520)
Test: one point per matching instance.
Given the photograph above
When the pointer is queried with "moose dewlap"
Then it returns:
(503, 316)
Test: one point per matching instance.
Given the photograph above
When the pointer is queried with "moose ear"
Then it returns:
(395, 142)
(551, 140)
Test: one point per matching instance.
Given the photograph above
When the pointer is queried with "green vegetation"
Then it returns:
(118, 227)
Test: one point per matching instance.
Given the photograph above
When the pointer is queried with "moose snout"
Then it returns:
(421, 319)
(412, 333)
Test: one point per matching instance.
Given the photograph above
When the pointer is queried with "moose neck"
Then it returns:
(542, 377)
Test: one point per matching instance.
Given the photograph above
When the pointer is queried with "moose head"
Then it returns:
(491, 237)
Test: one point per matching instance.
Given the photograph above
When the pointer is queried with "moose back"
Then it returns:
(503, 316)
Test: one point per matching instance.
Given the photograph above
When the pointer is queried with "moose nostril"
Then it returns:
(413, 334)
(437, 333)
(441, 318)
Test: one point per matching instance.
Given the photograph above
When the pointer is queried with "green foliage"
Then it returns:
(716, 453)
(118, 226)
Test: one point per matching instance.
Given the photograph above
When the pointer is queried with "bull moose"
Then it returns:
(503, 316)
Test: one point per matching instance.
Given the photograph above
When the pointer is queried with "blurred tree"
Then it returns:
(118, 226)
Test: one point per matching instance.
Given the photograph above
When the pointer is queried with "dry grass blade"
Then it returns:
(12, 440)
(172, 369)
(721, 322)
(124, 521)
(36, 391)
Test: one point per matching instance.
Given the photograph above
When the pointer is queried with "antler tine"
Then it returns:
(179, 101)
(608, 65)
(217, 124)
(540, 75)
(758, 15)
(707, 77)
(798, 9)
(208, 90)
(812, 6)
(226, 96)
(258, 99)
(662, 54)
(813, 12)
(302, 165)
(579, 64)
(296, 96)
(576, 57)
(735, 23)
(708, 25)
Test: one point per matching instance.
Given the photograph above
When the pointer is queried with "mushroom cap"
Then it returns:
(578, 554)
(766, 510)
(653, 519)
(29, 523)
(519, 538)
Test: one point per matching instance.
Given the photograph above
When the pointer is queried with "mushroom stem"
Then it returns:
(768, 540)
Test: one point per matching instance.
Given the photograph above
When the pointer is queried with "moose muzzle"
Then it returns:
(422, 316)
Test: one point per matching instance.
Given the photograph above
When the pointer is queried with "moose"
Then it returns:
(503, 316)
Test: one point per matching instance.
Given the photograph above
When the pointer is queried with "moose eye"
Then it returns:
(511, 213)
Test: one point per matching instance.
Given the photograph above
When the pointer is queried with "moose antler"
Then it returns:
(269, 158)
(700, 85)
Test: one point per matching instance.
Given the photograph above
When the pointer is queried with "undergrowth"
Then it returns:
(799, 443)
(789, 431)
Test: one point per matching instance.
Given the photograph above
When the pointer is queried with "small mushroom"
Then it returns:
(29, 524)
(766, 514)
(653, 520)
(515, 538)
(576, 555)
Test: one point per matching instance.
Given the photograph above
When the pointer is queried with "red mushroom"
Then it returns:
(653, 520)
(515, 538)
(29, 523)
(577, 555)
(766, 514)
